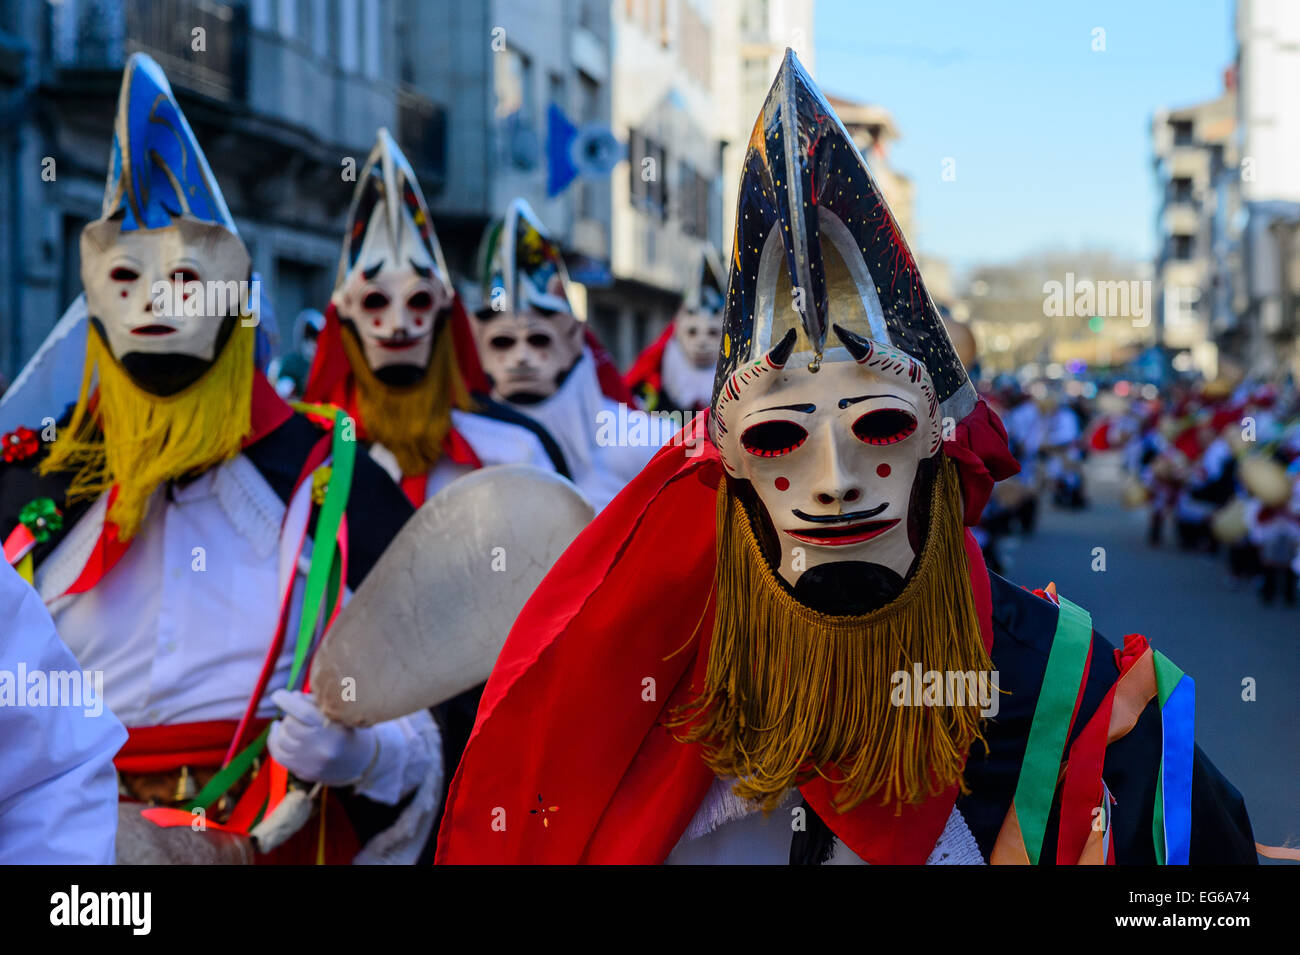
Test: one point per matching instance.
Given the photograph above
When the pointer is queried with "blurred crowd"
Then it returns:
(1216, 465)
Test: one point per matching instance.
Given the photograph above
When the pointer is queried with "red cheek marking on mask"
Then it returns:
(376, 322)
(883, 470)
(782, 484)
(124, 293)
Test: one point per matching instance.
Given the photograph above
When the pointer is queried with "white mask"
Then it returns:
(164, 300)
(699, 335)
(526, 355)
(392, 288)
(832, 455)
(394, 310)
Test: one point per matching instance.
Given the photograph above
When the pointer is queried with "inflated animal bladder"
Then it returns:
(433, 613)
(141, 842)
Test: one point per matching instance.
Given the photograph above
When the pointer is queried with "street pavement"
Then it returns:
(1183, 604)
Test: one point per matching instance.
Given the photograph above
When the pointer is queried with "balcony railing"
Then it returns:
(422, 134)
(200, 44)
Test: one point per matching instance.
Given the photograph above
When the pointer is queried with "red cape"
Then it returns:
(648, 367)
(569, 761)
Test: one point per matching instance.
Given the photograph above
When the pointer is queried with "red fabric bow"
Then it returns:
(980, 450)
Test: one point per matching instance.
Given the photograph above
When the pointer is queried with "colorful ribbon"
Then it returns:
(1171, 822)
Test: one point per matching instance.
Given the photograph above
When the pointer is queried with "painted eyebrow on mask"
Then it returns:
(845, 402)
(371, 272)
(420, 270)
(802, 409)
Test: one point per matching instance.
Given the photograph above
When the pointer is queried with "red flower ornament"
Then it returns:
(19, 445)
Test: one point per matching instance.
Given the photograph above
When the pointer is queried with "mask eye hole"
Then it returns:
(502, 342)
(771, 439)
(886, 426)
(186, 275)
(538, 340)
(421, 301)
(123, 274)
(374, 301)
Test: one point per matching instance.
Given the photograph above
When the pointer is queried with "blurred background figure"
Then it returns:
(288, 371)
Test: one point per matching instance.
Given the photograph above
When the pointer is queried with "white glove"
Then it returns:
(315, 748)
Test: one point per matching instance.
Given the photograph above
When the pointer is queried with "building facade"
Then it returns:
(1191, 146)
(286, 97)
(749, 39)
(1266, 233)
(667, 193)
(499, 66)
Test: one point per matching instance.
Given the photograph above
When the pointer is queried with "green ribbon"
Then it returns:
(325, 568)
(1050, 728)
(325, 540)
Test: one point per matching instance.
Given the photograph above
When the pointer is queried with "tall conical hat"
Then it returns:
(388, 213)
(707, 288)
(816, 245)
(157, 170)
(521, 266)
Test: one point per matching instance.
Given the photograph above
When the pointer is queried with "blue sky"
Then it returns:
(1051, 140)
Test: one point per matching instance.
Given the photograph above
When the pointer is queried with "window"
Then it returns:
(1181, 189)
(754, 18)
(693, 201)
(512, 80)
(555, 91)
(646, 171)
(1184, 245)
(349, 53)
(1182, 131)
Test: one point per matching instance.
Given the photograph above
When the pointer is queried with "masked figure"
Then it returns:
(823, 681)
(168, 524)
(675, 374)
(396, 351)
(542, 360)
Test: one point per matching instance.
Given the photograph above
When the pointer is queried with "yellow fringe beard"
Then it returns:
(791, 693)
(137, 440)
(411, 422)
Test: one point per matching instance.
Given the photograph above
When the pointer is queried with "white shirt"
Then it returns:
(58, 789)
(727, 830)
(493, 441)
(605, 444)
(182, 623)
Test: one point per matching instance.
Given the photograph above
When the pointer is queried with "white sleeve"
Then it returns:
(410, 758)
(58, 788)
(410, 749)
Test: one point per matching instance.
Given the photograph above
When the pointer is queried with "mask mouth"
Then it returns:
(163, 374)
(842, 535)
(399, 342)
(400, 376)
(153, 330)
(851, 516)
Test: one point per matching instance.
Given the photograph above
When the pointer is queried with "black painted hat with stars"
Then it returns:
(816, 246)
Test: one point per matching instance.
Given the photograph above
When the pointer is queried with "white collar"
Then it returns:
(685, 383)
(570, 415)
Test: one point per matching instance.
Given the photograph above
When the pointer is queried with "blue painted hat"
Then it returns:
(157, 171)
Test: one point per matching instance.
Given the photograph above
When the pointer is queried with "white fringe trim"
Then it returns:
(251, 505)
